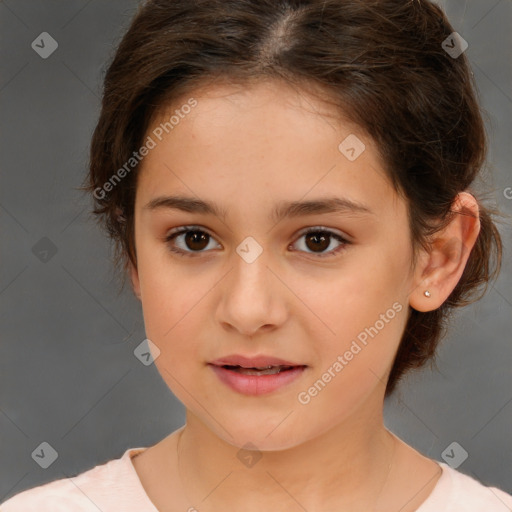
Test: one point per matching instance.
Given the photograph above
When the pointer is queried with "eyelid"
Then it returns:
(333, 231)
(183, 229)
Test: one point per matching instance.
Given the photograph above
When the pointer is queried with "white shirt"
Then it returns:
(115, 487)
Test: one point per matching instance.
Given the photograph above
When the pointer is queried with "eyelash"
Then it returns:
(317, 230)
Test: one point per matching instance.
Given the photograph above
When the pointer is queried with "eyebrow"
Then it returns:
(284, 209)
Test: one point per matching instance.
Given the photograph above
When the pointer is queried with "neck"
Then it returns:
(343, 468)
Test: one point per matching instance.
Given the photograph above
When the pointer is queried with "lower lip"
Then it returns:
(256, 384)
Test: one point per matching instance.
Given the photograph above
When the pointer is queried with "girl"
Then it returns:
(289, 187)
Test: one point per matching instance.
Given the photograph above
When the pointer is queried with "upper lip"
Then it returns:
(252, 362)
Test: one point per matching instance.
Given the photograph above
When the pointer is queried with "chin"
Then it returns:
(250, 440)
(261, 435)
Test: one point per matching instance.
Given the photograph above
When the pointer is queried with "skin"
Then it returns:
(247, 148)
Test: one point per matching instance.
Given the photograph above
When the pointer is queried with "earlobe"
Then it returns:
(422, 297)
(439, 270)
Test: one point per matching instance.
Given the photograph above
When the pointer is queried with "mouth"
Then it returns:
(256, 376)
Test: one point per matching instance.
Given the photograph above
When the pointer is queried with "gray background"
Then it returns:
(68, 373)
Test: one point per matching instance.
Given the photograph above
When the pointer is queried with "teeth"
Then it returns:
(268, 370)
(272, 370)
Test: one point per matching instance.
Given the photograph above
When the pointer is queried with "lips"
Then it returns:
(256, 375)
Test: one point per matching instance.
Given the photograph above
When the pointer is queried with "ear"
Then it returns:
(134, 274)
(440, 269)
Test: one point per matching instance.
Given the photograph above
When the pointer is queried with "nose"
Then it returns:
(252, 296)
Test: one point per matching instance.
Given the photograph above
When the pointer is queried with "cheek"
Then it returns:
(354, 360)
(351, 296)
(166, 285)
(363, 303)
(173, 302)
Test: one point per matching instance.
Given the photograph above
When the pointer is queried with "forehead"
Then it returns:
(223, 102)
(269, 137)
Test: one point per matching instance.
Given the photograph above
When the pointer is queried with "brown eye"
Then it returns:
(193, 241)
(318, 240)
(190, 240)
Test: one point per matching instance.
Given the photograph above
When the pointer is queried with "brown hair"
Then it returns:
(381, 63)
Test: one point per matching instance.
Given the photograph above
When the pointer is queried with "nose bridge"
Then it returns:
(250, 299)
(251, 264)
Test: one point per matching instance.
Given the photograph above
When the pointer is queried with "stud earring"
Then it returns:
(427, 293)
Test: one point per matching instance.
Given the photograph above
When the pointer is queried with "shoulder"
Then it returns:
(99, 488)
(458, 492)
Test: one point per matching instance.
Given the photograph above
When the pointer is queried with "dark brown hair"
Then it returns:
(381, 63)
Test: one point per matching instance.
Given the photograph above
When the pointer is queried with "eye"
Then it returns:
(320, 239)
(196, 240)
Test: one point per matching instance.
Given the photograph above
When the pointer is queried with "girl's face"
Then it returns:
(249, 281)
